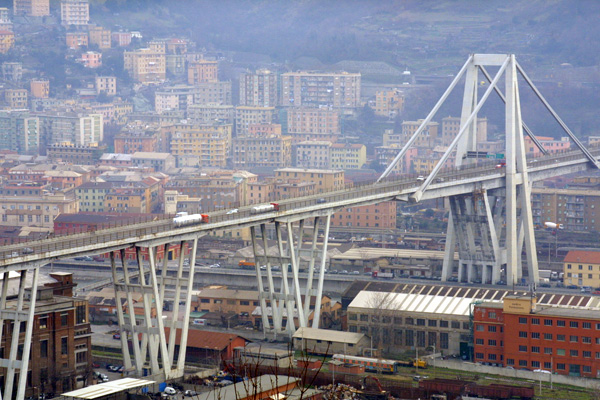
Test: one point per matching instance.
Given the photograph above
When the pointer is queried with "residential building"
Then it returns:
(99, 36)
(33, 204)
(314, 89)
(325, 180)
(260, 192)
(380, 216)
(31, 8)
(12, 71)
(45, 173)
(550, 144)
(389, 103)
(76, 39)
(91, 196)
(145, 65)
(451, 127)
(129, 143)
(20, 132)
(121, 39)
(77, 128)
(246, 116)
(582, 268)
(292, 189)
(175, 202)
(214, 93)
(176, 65)
(273, 151)
(562, 338)
(91, 59)
(386, 154)
(199, 114)
(128, 200)
(200, 145)
(40, 88)
(203, 71)
(347, 156)
(259, 130)
(157, 161)
(313, 123)
(312, 154)
(174, 98)
(61, 348)
(16, 99)
(5, 22)
(106, 84)
(427, 138)
(7, 41)
(73, 154)
(74, 12)
(258, 89)
(574, 208)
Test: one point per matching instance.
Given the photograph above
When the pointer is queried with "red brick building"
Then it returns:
(523, 335)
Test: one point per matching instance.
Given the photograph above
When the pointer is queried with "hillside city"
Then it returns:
(106, 127)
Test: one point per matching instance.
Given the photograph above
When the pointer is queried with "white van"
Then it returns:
(201, 322)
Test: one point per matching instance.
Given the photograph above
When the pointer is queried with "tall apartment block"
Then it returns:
(174, 98)
(388, 103)
(209, 113)
(315, 89)
(201, 145)
(100, 36)
(203, 71)
(214, 93)
(31, 8)
(246, 116)
(313, 121)
(258, 89)
(12, 71)
(20, 132)
(145, 65)
(74, 12)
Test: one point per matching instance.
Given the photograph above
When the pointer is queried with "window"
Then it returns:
(352, 317)
(432, 322)
(522, 320)
(492, 315)
(560, 352)
(492, 328)
(64, 318)
(522, 363)
(479, 341)
(535, 335)
(455, 325)
(523, 348)
(535, 364)
(560, 366)
(510, 361)
(535, 321)
(364, 317)
(573, 338)
(574, 353)
(43, 348)
(587, 325)
(491, 342)
(547, 365)
(479, 356)
(587, 368)
(409, 321)
(547, 336)
(43, 322)
(586, 339)
(547, 350)
(444, 341)
(548, 322)
(523, 334)
(465, 325)
(443, 324)
(535, 349)
(574, 324)
(64, 345)
(410, 338)
(492, 357)
(480, 328)
(420, 322)
(560, 322)
(80, 314)
(560, 338)
(587, 354)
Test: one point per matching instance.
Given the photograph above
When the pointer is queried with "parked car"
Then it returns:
(117, 336)
(27, 250)
(190, 393)
(170, 391)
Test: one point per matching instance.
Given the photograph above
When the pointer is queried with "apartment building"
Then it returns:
(246, 116)
(210, 113)
(519, 332)
(389, 103)
(20, 132)
(175, 202)
(40, 88)
(214, 93)
(16, 99)
(174, 98)
(312, 154)
(78, 128)
(216, 189)
(74, 12)
(7, 41)
(129, 200)
(427, 138)
(91, 59)
(314, 89)
(259, 89)
(106, 84)
(203, 71)
(176, 65)
(582, 268)
(76, 39)
(325, 180)
(145, 65)
(159, 162)
(451, 127)
(12, 71)
(347, 156)
(121, 39)
(70, 153)
(574, 208)
(61, 348)
(380, 216)
(258, 130)
(318, 121)
(129, 143)
(274, 151)
(201, 145)
(99, 36)
(90, 196)
(33, 204)
(550, 144)
(31, 8)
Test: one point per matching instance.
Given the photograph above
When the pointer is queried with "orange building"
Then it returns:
(129, 144)
(203, 71)
(40, 88)
(76, 40)
(91, 59)
(562, 339)
(550, 144)
(100, 37)
(376, 216)
(7, 41)
(32, 8)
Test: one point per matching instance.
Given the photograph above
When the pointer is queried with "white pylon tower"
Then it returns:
(490, 227)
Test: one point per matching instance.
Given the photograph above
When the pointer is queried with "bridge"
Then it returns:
(490, 223)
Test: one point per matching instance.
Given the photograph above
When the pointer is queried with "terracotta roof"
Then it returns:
(206, 339)
(582, 256)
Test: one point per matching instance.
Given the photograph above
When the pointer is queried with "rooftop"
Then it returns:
(328, 335)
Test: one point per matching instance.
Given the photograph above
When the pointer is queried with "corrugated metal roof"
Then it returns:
(328, 335)
(107, 388)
